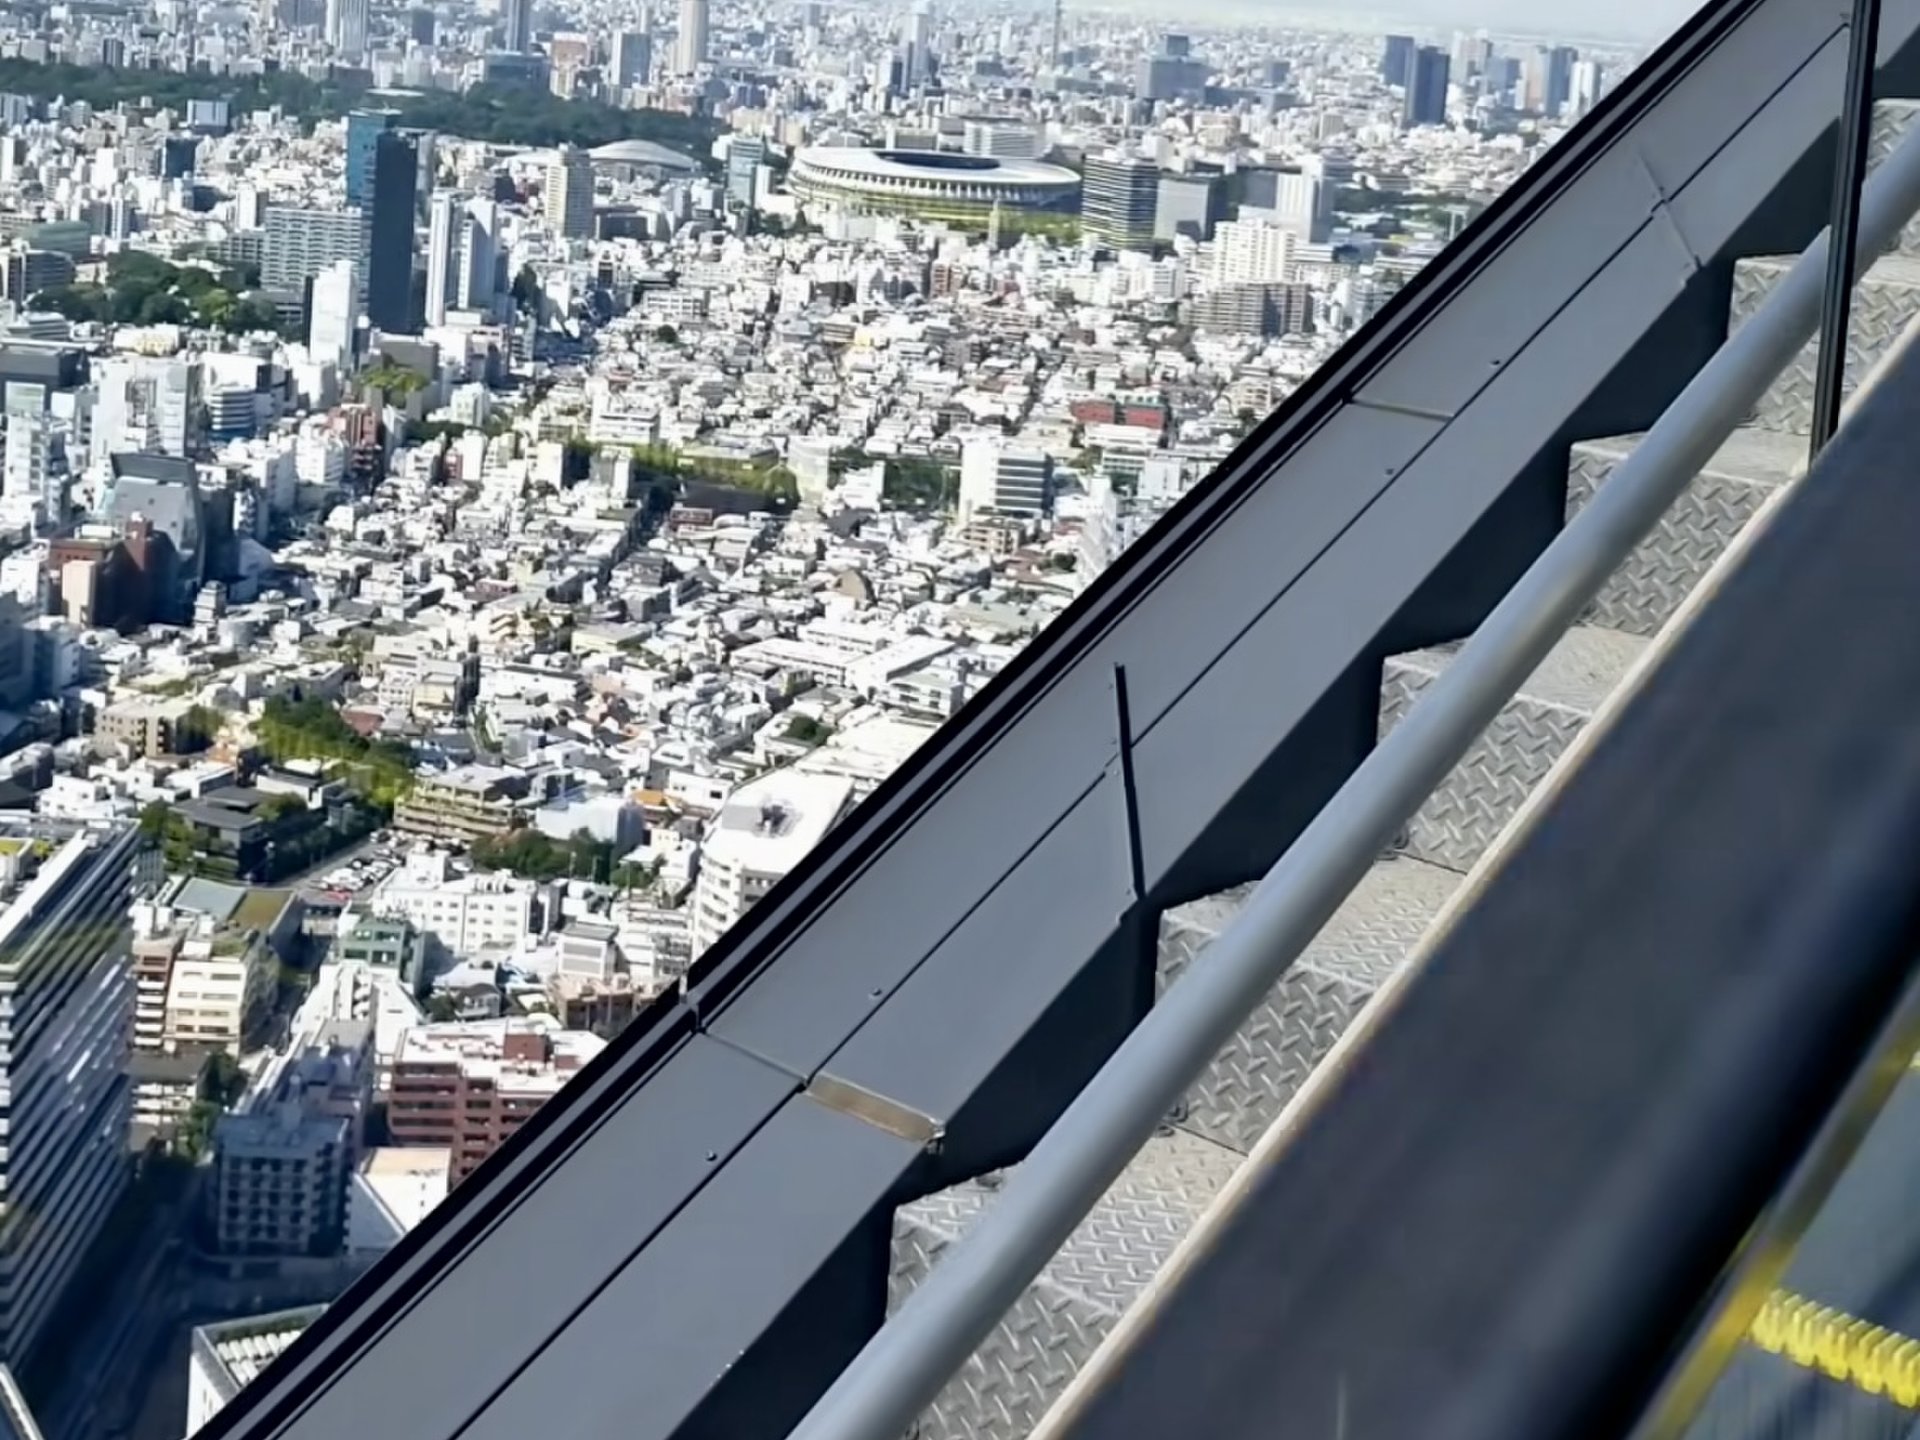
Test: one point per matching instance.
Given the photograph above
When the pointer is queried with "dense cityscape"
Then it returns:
(484, 493)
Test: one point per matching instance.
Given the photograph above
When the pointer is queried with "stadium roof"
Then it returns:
(642, 153)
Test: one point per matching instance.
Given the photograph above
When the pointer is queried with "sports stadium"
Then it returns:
(936, 185)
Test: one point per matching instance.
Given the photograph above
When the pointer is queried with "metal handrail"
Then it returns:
(1843, 214)
(904, 1365)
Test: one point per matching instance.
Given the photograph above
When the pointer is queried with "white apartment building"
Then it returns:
(766, 827)
(32, 462)
(1007, 479)
(392, 1190)
(145, 404)
(1253, 252)
(465, 914)
(335, 308)
(443, 225)
(213, 982)
(478, 259)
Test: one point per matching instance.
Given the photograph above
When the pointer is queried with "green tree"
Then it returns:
(808, 731)
(278, 807)
(379, 771)
(392, 380)
(197, 729)
(154, 818)
(162, 307)
(194, 1138)
(499, 114)
(222, 1082)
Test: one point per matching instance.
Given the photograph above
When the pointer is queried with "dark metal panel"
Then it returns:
(1279, 534)
(551, 1253)
(1608, 1066)
(798, 1013)
(1347, 600)
(1710, 206)
(726, 1326)
(1441, 370)
(854, 956)
(979, 1036)
(1688, 128)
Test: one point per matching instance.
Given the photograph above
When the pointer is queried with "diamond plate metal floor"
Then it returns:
(1006, 1386)
(1011, 1380)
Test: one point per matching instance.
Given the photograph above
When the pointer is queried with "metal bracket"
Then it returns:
(878, 1111)
(1129, 795)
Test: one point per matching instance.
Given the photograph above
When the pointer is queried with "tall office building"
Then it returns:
(1588, 86)
(1119, 195)
(424, 171)
(516, 21)
(745, 155)
(396, 165)
(476, 282)
(1548, 79)
(364, 129)
(1471, 53)
(1426, 102)
(443, 265)
(690, 46)
(1187, 205)
(1396, 59)
(347, 26)
(569, 194)
(336, 291)
(65, 1036)
(918, 60)
(632, 58)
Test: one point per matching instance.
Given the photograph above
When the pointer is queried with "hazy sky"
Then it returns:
(1613, 17)
(1628, 19)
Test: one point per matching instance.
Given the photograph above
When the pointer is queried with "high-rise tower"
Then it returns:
(516, 23)
(65, 1038)
(569, 194)
(443, 234)
(396, 166)
(690, 48)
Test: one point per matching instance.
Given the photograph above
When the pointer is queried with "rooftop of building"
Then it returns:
(480, 1048)
(230, 1353)
(768, 824)
(643, 153)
